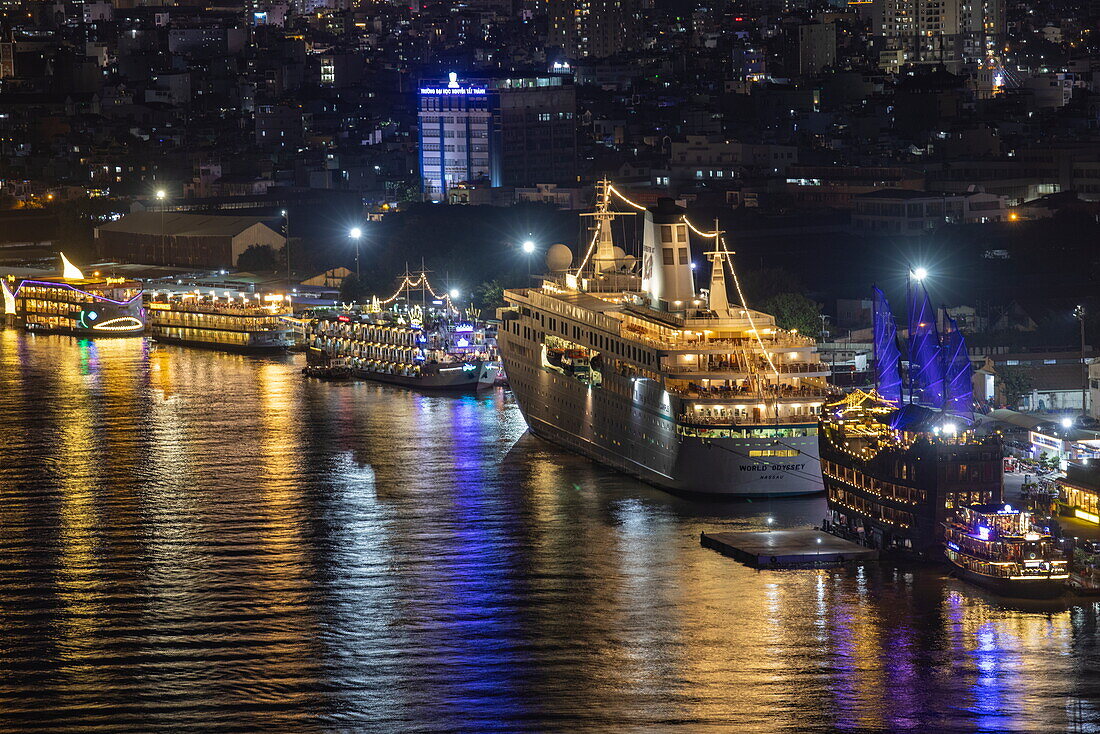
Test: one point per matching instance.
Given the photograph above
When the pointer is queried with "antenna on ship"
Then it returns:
(601, 250)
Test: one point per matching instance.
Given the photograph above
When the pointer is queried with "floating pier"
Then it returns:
(799, 548)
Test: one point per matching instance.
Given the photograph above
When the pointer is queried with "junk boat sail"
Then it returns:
(997, 547)
(431, 345)
(74, 304)
(894, 467)
(248, 323)
(639, 371)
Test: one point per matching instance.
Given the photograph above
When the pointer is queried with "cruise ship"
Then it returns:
(640, 371)
(430, 345)
(899, 460)
(75, 304)
(246, 323)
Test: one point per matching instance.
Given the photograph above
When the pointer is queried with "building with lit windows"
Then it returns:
(950, 32)
(593, 28)
(503, 132)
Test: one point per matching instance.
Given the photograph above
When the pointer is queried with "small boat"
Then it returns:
(336, 369)
(998, 548)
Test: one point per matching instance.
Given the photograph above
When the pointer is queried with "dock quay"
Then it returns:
(798, 548)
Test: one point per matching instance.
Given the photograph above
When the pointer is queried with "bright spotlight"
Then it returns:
(455, 293)
(528, 246)
(355, 233)
(1067, 423)
(161, 193)
(920, 273)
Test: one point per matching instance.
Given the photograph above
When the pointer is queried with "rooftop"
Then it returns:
(182, 225)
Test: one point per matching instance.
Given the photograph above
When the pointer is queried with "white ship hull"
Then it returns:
(630, 426)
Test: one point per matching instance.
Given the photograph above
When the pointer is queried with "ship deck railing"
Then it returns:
(770, 392)
(786, 368)
(717, 345)
(690, 419)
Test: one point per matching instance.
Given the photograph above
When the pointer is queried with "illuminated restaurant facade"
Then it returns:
(1078, 492)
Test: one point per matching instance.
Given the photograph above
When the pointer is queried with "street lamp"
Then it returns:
(161, 195)
(355, 234)
(286, 244)
(454, 293)
(528, 248)
(920, 274)
(1079, 314)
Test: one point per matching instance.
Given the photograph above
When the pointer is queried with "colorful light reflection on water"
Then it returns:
(190, 538)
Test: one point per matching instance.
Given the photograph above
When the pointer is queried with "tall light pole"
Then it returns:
(286, 245)
(1079, 314)
(161, 195)
(528, 248)
(355, 234)
(918, 274)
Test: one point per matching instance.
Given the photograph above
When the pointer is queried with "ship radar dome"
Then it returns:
(558, 258)
(620, 257)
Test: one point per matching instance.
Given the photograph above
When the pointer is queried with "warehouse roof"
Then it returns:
(182, 225)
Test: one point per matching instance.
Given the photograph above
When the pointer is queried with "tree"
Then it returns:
(258, 258)
(351, 290)
(489, 295)
(763, 284)
(1015, 383)
(794, 311)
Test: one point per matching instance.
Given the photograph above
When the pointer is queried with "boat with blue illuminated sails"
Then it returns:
(627, 363)
(897, 460)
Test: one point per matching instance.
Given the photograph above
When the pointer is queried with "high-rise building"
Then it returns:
(816, 47)
(593, 28)
(502, 132)
(950, 32)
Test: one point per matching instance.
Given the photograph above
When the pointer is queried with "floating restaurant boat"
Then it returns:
(430, 346)
(636, 369)
(74, 304)
(247, 323)
(996, 547)
(895, 469)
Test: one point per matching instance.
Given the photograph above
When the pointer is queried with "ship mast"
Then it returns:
(719, 298)
(601, 252)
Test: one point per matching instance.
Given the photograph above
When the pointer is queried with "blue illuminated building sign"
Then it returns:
(449, 92)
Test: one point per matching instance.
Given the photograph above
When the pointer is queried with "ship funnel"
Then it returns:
(666, 257)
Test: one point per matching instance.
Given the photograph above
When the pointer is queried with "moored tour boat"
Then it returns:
(75, 304)
(996, 547)
(897, 462)
(431, 346)
(247, 323)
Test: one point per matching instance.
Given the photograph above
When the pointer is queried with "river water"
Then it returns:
(192, 539)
